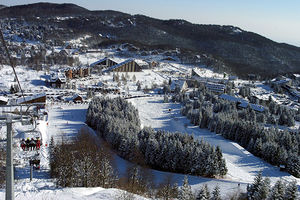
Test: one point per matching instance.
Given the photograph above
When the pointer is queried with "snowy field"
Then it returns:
(29, 79)
(242, 165)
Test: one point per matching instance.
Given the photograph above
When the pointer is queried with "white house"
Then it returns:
(180, 84)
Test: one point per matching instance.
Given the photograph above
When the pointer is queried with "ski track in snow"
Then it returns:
(242, 165)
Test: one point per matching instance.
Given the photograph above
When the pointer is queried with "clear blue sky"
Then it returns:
(278, 20)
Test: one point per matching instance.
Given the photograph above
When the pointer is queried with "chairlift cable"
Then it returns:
(11, 63)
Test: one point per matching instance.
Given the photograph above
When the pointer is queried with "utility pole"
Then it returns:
(9, 162)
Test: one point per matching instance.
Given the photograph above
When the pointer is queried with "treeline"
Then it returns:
(261, 189)
(118, 123)
(245, 127)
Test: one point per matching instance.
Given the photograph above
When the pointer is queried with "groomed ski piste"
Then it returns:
(64, 121)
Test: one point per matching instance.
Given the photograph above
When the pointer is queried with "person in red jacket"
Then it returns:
(38, 144)
(23, 144)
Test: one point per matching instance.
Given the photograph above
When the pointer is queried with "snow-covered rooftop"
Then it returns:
(232, 98)
(257, 107)
(58, 75)
(177, 83)
(29, 98)
(120, 64)
(2, 98)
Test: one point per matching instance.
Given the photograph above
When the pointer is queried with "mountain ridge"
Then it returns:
(239, 51)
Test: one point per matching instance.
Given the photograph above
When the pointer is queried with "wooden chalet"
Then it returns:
(36, 98)
(77, 98)
(57, 80)
(69, 73)
(78, 72)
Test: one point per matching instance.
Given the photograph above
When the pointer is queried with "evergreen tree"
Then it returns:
(277, 191)
(166, 99)
(259, 189)
(291, 192)
(293, 165)
(216, 193)
(170, 81)
(134, 78)
(139, 87)
(203, 193)
(185, 192)
(221, 162)
(167, 190)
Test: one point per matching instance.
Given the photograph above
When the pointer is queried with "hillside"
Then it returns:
(227, 48)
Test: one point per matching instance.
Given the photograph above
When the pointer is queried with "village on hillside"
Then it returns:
(246, 127)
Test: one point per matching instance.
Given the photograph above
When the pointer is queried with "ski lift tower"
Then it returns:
(8, 119)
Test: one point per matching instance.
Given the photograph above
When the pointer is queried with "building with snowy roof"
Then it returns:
(180, 84)
(3, 100)
(105, 62)
(35, 98)
(257, 107)
(127, 66)
(76, 98)
(198, 75)
(296, 76)
(242, 103)
(102, 64)
(57, 80)
(215, 87)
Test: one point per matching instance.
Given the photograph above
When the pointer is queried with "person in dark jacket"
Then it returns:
(32, 144)
(27, 144)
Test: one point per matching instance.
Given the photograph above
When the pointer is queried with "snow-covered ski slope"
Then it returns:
(242, 165)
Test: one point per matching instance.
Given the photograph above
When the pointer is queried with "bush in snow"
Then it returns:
(167, 189)
(81, 164)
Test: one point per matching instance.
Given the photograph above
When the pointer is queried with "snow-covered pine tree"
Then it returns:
(259, 190)
(185, 192)
(166, 99)
(203, 193)
(216, 193)
(221, 162)
(277, 192)
(291, 192)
